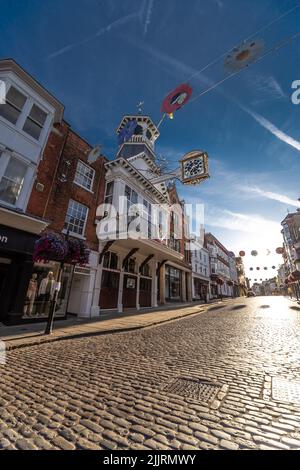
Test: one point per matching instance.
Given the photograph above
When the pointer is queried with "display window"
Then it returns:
(41, 290)
(173, 283)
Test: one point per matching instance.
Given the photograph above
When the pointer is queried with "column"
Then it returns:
(120, 294)
(183, 286)
(162, 285)
(138, 292)
(154, 286)
(189, 281)
(95, 309)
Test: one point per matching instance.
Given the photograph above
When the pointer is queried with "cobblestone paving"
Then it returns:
(107, 392)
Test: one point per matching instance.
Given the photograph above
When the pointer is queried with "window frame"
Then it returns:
(21, 111)
(65, 229)
(90, 189)
(9, 156)
(34, 121)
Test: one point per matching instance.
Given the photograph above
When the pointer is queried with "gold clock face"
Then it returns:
(193, 167)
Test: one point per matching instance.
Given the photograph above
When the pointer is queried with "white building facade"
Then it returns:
(143, 261)
(27, 114)
(200, 272)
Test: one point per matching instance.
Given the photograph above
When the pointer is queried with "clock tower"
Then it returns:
(136, 134)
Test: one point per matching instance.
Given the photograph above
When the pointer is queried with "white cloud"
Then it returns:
(271, 195)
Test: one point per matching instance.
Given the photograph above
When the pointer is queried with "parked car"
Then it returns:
(250, 293)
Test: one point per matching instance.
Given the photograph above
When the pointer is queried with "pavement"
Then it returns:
(141, 389)
(109, 322)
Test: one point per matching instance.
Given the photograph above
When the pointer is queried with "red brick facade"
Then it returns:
(63, 150)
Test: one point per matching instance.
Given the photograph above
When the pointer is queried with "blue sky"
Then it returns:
(101, 57)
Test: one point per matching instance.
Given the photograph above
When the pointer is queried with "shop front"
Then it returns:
(26, 288)
(201, 289)
(173, 284)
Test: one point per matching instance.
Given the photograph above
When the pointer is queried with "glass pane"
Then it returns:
(32, 128)
(9, 113)
(15, 170)
(16, 98)
(38, 115)
(9, 191)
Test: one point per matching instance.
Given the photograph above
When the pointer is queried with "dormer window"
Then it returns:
(35, 122)
(13, 106)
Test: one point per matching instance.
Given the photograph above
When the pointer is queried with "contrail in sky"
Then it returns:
(148, 16)
(101, 32)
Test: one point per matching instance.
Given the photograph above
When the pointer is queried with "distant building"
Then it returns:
(200, 271)
(221, 284)
(243, 283)
(291, 238)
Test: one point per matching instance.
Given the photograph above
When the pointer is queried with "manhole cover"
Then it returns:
(285, 390)
(198, 389)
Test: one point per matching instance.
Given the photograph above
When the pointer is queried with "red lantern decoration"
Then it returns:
(242, 253)
(279, 250)
(176, 99)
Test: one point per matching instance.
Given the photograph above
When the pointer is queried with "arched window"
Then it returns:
(145, 271)
(110, 260)
(130, 266)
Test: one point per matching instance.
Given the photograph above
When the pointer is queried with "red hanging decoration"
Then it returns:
(279, 250)
(242, 253)
(176, 99)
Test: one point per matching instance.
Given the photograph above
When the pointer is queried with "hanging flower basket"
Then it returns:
(50, 247)
(77, 252)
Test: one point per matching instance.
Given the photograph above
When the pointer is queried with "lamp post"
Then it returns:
(53, 302)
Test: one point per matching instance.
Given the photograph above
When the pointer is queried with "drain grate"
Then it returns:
(285, 390)
(198, 389)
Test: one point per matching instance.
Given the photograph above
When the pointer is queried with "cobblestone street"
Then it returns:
(107, 392)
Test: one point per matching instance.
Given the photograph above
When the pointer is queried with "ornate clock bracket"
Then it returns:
(193, 169)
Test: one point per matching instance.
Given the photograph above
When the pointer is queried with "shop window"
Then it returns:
(129, 266)
(110, 280)
(84, 176)
(145, 285)
(110, 260)
(35, 122)
(12, 180)
(76, 218)
(13, 106)
(41, 289)
(145, 271)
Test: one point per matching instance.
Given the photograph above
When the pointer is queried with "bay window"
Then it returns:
(12, 175)
(35, 122)
(14, 103)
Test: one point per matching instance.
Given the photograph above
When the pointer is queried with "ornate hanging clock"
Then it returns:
(194, 167)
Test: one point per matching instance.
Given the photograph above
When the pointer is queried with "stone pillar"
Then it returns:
(183, 286)
(120, 293)
(138, 292)
(154, 286)
(95, 308)
(189, 281)
(162, 285)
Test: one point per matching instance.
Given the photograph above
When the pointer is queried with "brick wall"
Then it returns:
(63, 150)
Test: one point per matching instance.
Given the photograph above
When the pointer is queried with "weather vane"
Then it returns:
(140, 107)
